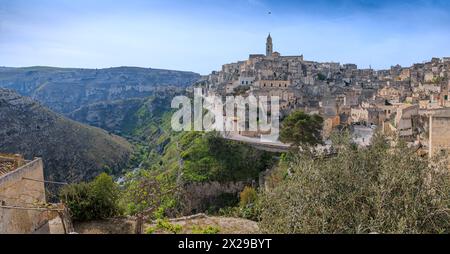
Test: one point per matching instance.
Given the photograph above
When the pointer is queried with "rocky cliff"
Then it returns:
(68, 90)
(71, 151)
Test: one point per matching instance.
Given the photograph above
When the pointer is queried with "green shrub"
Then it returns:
(250, 212)
(382, 189)
(150, 230)
(208, 230)
(208, 157)
(95, 200)
(164, 226)
(249, 207)
(148, 193)
(247, 196)
(78, 199)
(321, 77)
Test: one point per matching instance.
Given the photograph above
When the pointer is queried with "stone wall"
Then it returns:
(198, 197)
(440, 134)
(16, 191)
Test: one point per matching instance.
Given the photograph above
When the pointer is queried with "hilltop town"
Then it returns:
(407, 102)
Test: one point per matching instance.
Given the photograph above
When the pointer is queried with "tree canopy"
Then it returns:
(301, 129)
(94, 200)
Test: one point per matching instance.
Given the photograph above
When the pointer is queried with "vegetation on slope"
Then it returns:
(187, 172)
(203, 157)
(200, 172)
(383, 189)
(94, 200)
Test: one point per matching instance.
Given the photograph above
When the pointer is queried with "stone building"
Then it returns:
(329, 124)
(21, 190)
(444, 95)
(404, 123)
(281, 84)
(439, 131)
(390, 93)
(359, 115)
(269, 46)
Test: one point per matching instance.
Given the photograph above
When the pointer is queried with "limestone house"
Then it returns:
(390, 94)
(21, 192)
(444, 95)
(439, 131)
(359, 115)
(404, 120)
(330, 123)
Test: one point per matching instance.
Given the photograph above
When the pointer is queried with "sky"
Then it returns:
(201, 35)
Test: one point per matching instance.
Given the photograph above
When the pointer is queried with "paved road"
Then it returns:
(257, 143)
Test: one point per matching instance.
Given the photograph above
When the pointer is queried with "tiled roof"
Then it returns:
(6, 167)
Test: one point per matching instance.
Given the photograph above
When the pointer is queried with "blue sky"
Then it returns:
(201, 35)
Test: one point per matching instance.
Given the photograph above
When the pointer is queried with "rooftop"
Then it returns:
(6, 167)
(9, 163)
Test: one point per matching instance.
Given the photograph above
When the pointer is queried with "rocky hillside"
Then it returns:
(124, 116)
(113, 116)
(68, 90)
(71, 151)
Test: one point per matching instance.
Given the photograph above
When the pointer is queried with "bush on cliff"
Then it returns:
(94, 200)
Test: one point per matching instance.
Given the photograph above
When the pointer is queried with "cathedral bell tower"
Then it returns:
(269, 46)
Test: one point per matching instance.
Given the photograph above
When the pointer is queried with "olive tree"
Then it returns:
(383, 189)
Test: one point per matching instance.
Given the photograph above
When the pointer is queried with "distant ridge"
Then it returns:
(65, 90)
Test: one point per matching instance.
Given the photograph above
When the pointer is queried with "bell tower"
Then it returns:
(269, 46)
